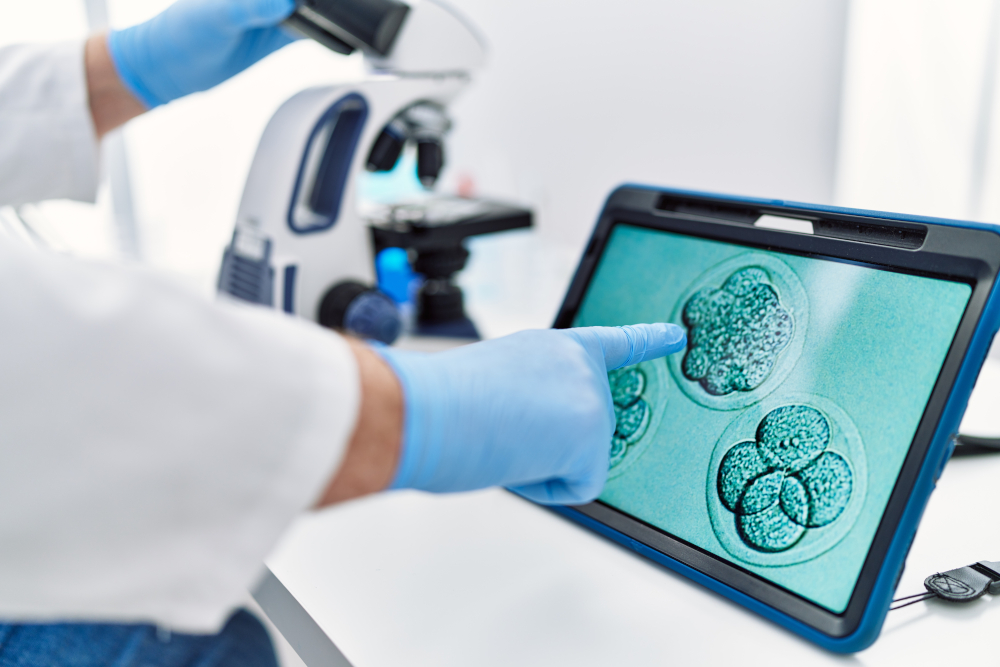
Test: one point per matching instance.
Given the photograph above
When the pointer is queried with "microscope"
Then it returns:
(300, 243)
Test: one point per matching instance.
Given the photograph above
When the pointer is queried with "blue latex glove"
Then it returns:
(531, 411)
(195, 45)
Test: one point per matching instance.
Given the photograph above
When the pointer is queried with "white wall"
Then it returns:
(734, 96)
(579, 96)
(920, 113)
(41, 20)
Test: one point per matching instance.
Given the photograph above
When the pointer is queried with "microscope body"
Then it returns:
(298, 230)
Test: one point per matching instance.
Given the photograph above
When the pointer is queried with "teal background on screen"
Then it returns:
(875, 344)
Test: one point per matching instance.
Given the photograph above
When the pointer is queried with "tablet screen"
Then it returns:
(775, 439)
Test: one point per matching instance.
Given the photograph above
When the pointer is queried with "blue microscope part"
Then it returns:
(395, 276)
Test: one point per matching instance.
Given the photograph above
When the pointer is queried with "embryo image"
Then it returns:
(786, 482)
(632, 412)
(735, 333)
(639, 394)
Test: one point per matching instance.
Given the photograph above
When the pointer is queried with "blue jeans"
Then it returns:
(243, 642)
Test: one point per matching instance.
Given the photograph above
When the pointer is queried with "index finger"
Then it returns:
(631, 344)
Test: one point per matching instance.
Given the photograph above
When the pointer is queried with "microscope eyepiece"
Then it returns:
(345, 25)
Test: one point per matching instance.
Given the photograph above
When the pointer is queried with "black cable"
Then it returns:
(915, 595)
(921, 597)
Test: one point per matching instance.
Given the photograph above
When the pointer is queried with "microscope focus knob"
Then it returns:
(361, 310)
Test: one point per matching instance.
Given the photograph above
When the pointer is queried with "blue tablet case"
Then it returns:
(934, 462)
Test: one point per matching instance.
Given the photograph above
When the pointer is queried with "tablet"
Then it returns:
(785, 457)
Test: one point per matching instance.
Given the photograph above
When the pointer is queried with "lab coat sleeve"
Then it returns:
(154, 445)
(48, 147)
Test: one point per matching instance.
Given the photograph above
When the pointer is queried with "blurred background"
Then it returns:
(885, 104)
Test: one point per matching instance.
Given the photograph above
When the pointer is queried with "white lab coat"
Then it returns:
(154, 445)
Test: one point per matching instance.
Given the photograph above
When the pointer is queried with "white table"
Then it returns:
(489, 579)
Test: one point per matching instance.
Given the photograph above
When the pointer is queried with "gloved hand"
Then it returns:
(195, 45)
(531, 411)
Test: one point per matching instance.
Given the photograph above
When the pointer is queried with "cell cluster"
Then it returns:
(735, 333)
(786, 481)
(632, 412)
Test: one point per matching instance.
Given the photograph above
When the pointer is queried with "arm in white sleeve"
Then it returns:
(154, 445)
(48, 147)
